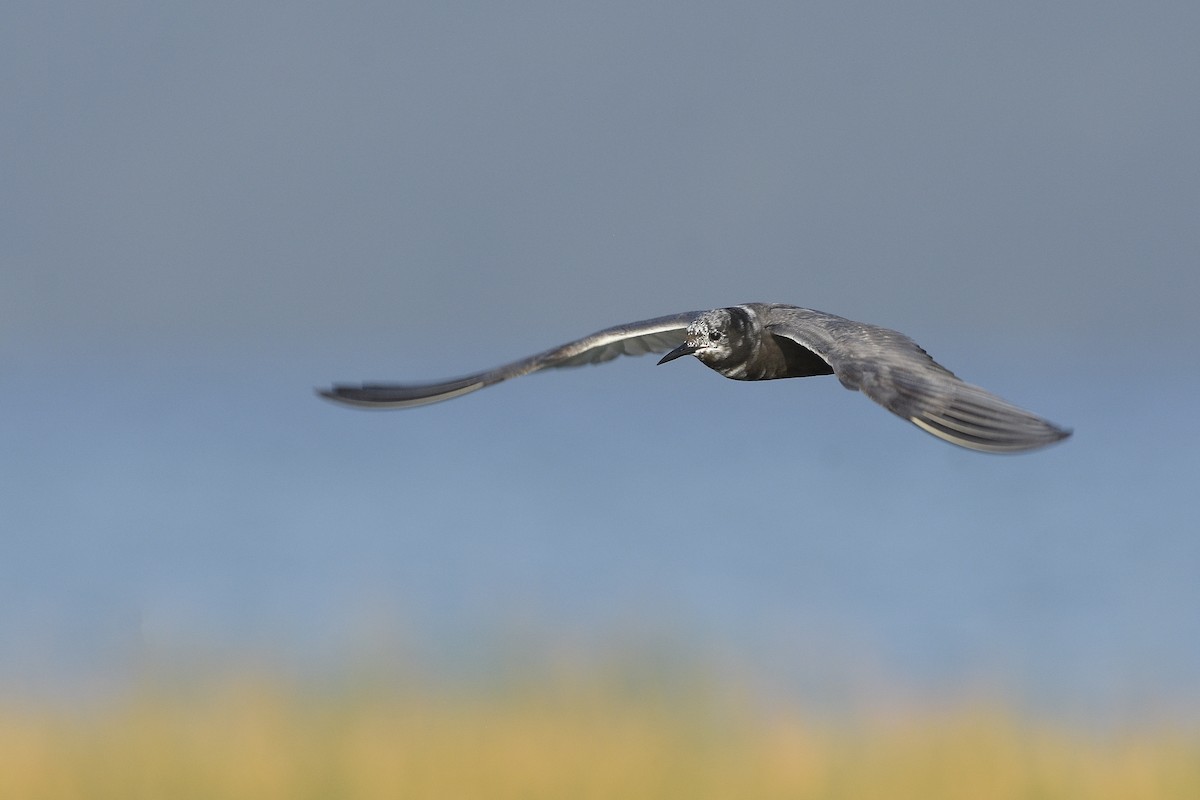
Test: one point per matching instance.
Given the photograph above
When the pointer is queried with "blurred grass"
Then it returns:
(261, 738)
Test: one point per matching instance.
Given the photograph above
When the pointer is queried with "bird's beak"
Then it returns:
(684, 349)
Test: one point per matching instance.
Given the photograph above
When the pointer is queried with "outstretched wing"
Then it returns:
(649, 336)
(895, 372)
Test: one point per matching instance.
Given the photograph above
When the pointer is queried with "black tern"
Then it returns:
(761, 341)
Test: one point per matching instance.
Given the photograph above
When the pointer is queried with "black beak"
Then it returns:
(684, 349)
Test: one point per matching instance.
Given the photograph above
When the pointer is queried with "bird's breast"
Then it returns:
(768, 358)
(761, 365)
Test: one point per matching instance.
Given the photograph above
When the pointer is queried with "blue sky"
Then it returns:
(209, 210)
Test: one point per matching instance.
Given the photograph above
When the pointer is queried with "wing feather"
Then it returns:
(894, 371)
(636, 338)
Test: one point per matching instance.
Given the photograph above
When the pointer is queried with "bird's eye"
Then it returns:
(714, 335)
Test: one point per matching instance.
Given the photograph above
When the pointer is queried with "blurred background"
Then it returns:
(210, 209)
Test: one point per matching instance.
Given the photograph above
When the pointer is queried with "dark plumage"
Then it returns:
(759, 341)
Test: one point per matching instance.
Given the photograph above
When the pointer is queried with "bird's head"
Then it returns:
(717, 337)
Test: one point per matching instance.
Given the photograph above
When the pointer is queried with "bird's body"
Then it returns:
(760, 341)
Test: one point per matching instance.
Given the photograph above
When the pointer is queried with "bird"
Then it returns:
(767, 341)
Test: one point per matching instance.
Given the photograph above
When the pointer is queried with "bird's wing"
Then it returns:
(648, 336)
(895, 372)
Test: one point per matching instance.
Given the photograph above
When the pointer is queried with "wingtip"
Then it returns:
(1045, 435)
(1056, 433)
(1055, 436)
(340, 394)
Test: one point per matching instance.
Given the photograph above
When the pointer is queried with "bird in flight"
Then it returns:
(764, 341)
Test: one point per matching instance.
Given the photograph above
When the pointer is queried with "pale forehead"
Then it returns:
(710, 320)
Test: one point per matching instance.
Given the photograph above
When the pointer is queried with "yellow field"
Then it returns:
(262, 740)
